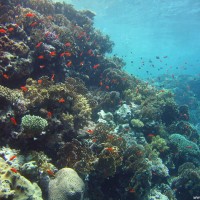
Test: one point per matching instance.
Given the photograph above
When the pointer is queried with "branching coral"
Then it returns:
(33, 125)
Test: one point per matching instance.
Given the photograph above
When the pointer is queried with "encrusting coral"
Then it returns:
(15, 186)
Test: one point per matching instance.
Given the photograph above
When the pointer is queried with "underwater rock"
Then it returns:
(67, 185)
(16, 187)
(123, 114)
(106, 118)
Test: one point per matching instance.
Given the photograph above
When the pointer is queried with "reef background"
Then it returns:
(75, 125)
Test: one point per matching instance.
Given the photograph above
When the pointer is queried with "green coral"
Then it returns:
(33, 124)
(159, 144)
(136, 123)
(6, 94)
(184, 146)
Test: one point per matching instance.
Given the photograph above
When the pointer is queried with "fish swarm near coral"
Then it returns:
(65, 106)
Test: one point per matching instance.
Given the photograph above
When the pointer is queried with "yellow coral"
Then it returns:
(159, 144)
(136, 123)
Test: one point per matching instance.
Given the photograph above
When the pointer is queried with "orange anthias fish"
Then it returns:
(13, 121)
(53, 53)
(39, 81)
(10, 29)
(49, 114)
(30, 15)
(68, 54)
(107, 87)
(53, 77)
(109, 149)
(131, 190)
(2, 30)
(33, 24)
(50, 172)
(12, 157)
(24, 88)
(151, 135)
(61, 100)
(39, 44)
(5, 76)
(96, 66)
(41, 57)
(13, 170)
(90, 131)
(68, 44)
(69, 64)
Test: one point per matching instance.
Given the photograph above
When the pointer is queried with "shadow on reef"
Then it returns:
(74, 124)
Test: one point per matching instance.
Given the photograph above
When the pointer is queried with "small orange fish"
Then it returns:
(5, 76)
(90, 52)
(50, 17)
(53, 77)
(49, 114)
(61, 100)
(13, 121)
(69, 64)
(53, 53)
(151, 135)
(68, 44)
(94, 140)
(90, 131)
(24, 88)
(41, 57)
(2, 30)
(30, 15)
(10, 29)
(107, 87)
(39, 44)
(39, 81)
(81, 63)
(50, 172)
(62, 54)
(110, 137)
(68, 54)
(33, 24)
(13, 170)
(109, 149)
(100, 83)
(12, 157)
(96, 66)
(131, 190)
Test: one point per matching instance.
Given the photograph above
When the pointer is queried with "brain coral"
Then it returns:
(67, 185)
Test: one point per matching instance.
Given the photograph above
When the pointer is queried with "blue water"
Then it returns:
(143, 30)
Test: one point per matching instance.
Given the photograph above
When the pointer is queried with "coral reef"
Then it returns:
(66, 105)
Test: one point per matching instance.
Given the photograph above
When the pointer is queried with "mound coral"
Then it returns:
(67, 185)
(184, 146)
